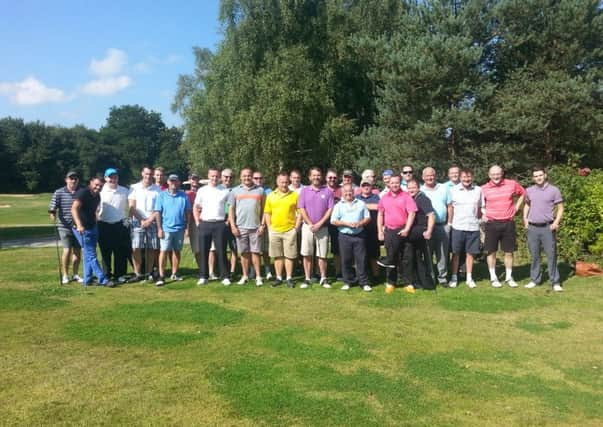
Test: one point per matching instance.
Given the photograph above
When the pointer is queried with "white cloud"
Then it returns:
(110, 65)
(31, 91)
(107, 86)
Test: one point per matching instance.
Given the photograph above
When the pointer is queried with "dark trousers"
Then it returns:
(419, 259)
(395, 247)
(114, 241)
(352, 248)
(215, 231)
(546, 237)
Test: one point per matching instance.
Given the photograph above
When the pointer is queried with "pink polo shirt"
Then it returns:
(498, 199)
(395, 208)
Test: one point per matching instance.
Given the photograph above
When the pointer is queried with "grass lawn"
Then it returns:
(24, 216)
(182, 355)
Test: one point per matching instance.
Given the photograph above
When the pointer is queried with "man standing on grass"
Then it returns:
(350, 216)
(193, 235)
(258, 179)
(113, 234)
(144, 228)
(464, 213)
(208, 213)
(395, 218)
(498, 210)
(371, 200)
(83, 210)
(245, 214)
(62, 200)
(439, 195)
(542, 223)
(315, 206)
(282, 220)
(172, 213)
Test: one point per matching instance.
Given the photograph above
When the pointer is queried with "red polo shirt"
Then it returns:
(498, 199)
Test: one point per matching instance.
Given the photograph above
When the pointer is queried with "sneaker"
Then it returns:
(383, 263)
(160, 282)
(201, 282)
(226, 282)
(496, 284)
(306, 284)
(268, 275)
(212, 276)
(122, 279)
(367, 288)
(345, 288)
(176, 277)
(471, 284)
(108, 284)
(452, 284)
(77, 278)
(242, 281)
(557, 288)
(409, 289)
(150, 278)
(276, 282)
(259, 282)
(324, 283)
(389, 289)
(512, 283)
(65, 280)
(290, 283)
(530, 285)
(442, 282)
(135, 278)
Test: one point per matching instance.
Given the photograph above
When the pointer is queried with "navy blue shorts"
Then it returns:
(465, 242)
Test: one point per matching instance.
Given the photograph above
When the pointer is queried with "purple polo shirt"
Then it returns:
(315, 202)
(542, 201)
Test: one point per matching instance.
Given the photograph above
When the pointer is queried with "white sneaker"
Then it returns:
(471, 284)
(259, 282)
(453, 283)
(557, 288)
(77, 278)
(213, 277)
(496, 283)
(304, 285)
(345, 288)
(367, 288)
(324, 283)
(242, 281)
(226, 282)
(121, 279)
(268, 275)
(201, 282)
(176, 277)
(512, 283)
(530, 285)
(65, 280)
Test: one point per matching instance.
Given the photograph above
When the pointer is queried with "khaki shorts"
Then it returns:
(283, 244)
(311, 241)
(249, 241)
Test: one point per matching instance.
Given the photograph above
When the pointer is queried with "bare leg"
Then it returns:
(175, 261)
(65, 261)
(322, 267)
(508, 260)
(255, 259)
(278, 267)
(468, 263)
(308, 266)
(211, 261)
(289, 265)
(137, 261)
(245, 263)
(162, 257)
(76, 257)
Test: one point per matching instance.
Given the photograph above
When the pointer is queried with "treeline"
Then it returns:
(35, 156)
(382, 82)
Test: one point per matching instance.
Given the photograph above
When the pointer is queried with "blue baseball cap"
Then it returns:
(387, 172)
(110, 171)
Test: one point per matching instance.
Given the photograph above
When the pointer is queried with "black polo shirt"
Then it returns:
(424, 208)
(88, 206)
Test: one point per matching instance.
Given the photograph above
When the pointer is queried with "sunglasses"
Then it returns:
(406, 172)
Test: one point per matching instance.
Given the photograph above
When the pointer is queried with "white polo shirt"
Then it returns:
(144, 197)
(114, 204)
(211, 200)
(466, 204)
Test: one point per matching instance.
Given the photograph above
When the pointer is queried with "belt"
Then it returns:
(540, 224)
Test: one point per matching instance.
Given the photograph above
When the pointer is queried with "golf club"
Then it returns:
(56, 240)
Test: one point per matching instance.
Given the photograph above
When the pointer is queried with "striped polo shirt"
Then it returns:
(62, 199)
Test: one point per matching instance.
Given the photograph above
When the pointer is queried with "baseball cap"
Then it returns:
(194, 175)
(173, 177)
(365, 181)
(71, 173)
(387, 172)
(348, 172)
(110, 171)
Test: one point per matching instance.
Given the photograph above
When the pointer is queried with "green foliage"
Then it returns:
(580, 235)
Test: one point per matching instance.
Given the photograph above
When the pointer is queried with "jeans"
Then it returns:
(87, 241)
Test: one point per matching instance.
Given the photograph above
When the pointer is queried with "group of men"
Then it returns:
(416, 223)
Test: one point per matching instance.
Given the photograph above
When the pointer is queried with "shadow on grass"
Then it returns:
(491, 303)
(536, 327)
(16, 299)
(296, 384)
(453, 374)
(158, 324)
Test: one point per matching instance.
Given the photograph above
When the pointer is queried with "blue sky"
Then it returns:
(68, 62)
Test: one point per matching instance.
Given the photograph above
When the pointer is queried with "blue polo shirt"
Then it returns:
(350, 212)
(440, 198)
(174, 209)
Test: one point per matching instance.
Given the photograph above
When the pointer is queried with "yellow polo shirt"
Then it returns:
(281, 207)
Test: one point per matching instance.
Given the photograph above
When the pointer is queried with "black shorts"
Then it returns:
(465, 242)
(503, 232)
(334, 237)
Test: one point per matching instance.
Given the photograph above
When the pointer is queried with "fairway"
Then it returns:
(184, 355)
(24, 216)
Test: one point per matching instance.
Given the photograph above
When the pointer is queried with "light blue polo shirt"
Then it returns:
(350, 212)
(440, 198)
(173, 209)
